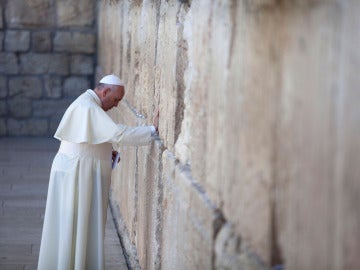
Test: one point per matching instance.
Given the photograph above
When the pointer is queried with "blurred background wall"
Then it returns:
(47, 58)
(260, 121)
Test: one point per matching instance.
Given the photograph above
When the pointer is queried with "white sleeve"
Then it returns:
(135, 136)
(153, 130)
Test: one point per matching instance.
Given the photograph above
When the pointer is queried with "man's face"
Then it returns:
(111, 98)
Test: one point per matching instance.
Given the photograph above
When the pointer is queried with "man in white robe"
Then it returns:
(77, 201)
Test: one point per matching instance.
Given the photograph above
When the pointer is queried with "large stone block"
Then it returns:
(46, 108)
(232, 253)
(32, 127)
(29, 14)
(3, 86)
(17, 40)
(125, 186)
(3, 127)
(3, 108)
(26, 86)
(41, 41)
(113, 62)
(143, 55)
(149, 213)
(75, 86)
(20, 107)
(189, 220)
(1, 15)
(165, 78)
(8, 63)
(318, 186)
(74, 42)
(244, 154)
(75, 13)
(52, 86)
(2, 35)
(46, 63)
(81, 65)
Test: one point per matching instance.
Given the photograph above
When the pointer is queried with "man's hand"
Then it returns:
(156, 119)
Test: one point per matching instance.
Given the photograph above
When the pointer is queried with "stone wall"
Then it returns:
(259, 123)
(47, 58)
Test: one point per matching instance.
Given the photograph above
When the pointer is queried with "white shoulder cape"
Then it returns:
(86, 122)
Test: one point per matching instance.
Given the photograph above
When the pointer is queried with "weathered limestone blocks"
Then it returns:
(74, 42)
(75, 13)
(223, 134)
(1, 16)
(189, 220)
(137, 182)
(259, 115)
(125, 181)
(183, 69)
(17, 41)
(3, 127)
(81, 64)
(29, 14)
(318, 109)
(30, 127)
(150, 196)
(169, 31)
(47, 53)
(3, 87)
(20, 107)
(44, 63)
(26, 86)
(52, 86)
(47, 108)
(41, 41)
(1, 40)
(3, 108)
(75, 86)
(8, 63)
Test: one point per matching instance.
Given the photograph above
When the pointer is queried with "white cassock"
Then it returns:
(76, 206)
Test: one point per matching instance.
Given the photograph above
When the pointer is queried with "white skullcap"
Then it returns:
(111, 79)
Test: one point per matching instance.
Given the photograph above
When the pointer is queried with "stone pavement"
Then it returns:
(24, 173)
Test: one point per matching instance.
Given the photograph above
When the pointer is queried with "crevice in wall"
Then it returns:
(233, 12)
(136, 194)
(276, 256)
(218, 223)
(186, 2)
(159, 210)
(182, 63)
(231, 252)
(158, 5)
(128, 49)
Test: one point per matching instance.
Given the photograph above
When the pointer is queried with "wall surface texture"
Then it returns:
(47, 58)
(258, 162)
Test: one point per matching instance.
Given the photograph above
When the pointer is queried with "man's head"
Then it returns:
(110, 90)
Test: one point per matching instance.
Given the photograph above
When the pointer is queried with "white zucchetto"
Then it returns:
(112, 79)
